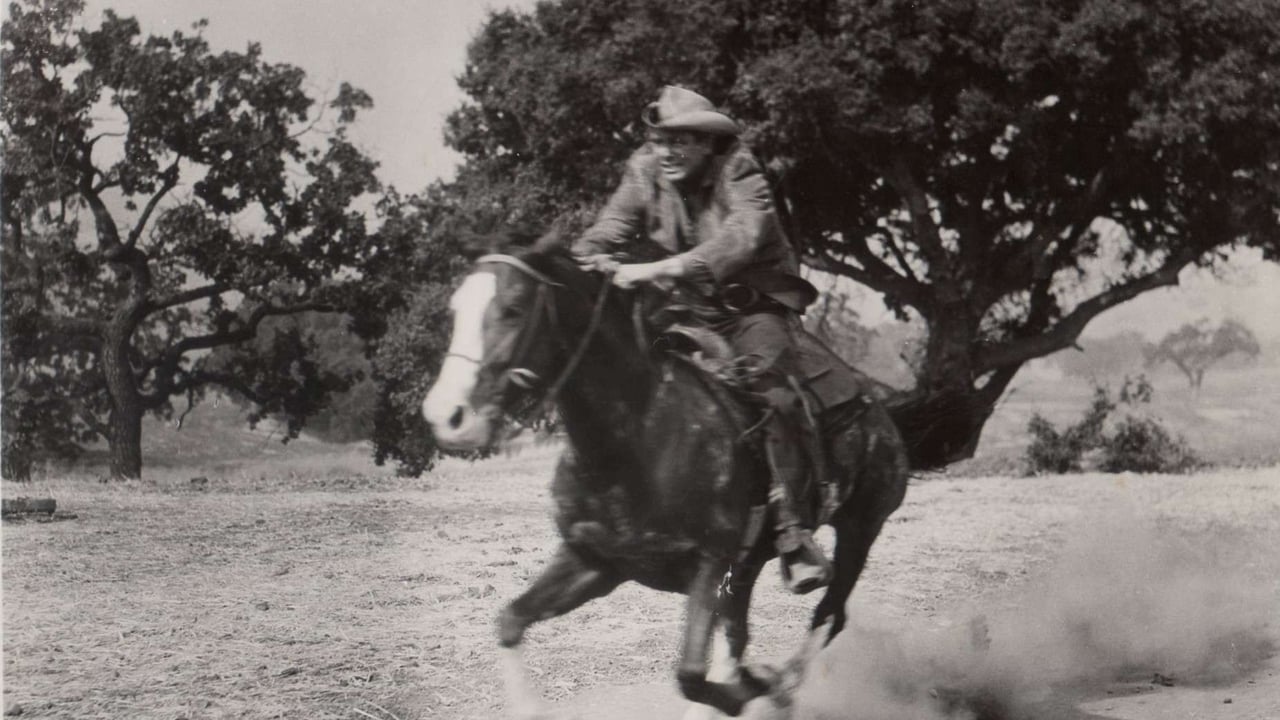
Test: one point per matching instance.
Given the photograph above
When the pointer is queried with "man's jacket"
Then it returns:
(727, 226)
(729, 230)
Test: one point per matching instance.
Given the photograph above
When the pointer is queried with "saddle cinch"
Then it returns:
(834, 393)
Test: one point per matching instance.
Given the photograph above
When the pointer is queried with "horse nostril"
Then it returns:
(455, 420)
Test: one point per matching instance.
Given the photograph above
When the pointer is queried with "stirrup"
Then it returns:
(804, 566)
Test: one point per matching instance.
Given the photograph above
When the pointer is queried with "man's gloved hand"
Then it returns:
(600, 262)
(662, 273)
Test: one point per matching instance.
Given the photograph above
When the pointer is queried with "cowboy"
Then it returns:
(698, 192)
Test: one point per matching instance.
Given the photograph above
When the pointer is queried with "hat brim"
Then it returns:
(707, 121)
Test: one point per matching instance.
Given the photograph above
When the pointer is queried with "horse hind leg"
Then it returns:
(855, 534)
(881, 486)
(568, 582)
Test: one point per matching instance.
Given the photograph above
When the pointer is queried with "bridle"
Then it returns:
(543, 306)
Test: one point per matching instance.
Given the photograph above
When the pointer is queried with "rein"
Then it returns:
(525, 378)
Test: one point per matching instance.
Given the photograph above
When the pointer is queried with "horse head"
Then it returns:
(521, 321)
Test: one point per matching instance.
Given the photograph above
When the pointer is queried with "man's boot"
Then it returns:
(804, 566)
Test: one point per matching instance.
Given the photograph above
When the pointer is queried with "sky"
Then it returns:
(407, 54)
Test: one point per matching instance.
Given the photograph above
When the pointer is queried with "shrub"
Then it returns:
(1135, 443)
(1141, 444)
(1054, 452)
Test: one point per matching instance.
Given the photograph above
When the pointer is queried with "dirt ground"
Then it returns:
(365, 596)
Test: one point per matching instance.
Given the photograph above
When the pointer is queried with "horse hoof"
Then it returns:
(767, 681)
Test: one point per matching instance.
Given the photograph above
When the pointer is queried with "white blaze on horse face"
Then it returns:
(448, 406)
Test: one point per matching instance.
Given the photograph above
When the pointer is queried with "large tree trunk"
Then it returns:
(941, 420)
(126, 445)
(940, 427)
(125, 438)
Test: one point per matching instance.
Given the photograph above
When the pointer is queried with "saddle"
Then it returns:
(834, 395)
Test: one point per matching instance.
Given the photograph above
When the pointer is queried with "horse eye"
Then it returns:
(511, 312)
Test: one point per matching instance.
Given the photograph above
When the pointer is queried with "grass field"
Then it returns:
(312, 588)
(299, 581)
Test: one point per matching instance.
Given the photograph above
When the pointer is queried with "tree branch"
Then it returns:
(103, 223)
(900, 256)
(1068, 329)
(874, 273)
(194, 379)
(71, 326)
(166, 365)
(186, 296)
(170, 175)
(925, 231)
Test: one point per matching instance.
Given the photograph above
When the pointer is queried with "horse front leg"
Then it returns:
(568, 582)
(726, 694)
(730, 633)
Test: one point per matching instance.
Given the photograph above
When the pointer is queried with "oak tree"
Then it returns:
(1196, 347)
(162, 199)
(1005, 170)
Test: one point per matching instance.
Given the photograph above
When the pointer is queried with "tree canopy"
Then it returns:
(1006, 170)
(162, 199)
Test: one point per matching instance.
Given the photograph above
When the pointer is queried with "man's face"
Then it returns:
(683, 155)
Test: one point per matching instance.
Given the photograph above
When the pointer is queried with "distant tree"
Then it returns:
(970, 161)
(1196, 347)
(413, 333)
(1099, 358)
(209, 212)
(326, 339)
(832, 320)
(895, 353)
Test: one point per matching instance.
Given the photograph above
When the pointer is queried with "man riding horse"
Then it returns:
(698, 192)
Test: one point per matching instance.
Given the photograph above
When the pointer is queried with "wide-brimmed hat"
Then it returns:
(680, 109)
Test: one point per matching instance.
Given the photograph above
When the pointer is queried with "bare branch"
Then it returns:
(94, 140)
(107, 183)
(170, 175)
(1068, 329)
(901, 257)
(874, 273)
(187, 296)
(1077, 219)
(924, 230)
(103, 223)
(191, 404)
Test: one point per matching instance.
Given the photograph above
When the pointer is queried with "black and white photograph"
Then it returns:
(640, 359)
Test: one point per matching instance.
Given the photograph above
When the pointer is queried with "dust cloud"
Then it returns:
(1125, 601)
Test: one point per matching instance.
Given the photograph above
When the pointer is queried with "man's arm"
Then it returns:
(621, 222)
(750, 224)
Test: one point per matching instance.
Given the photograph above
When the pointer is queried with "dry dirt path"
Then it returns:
(376, 598)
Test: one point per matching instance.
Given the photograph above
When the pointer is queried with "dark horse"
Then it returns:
(659, 482)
